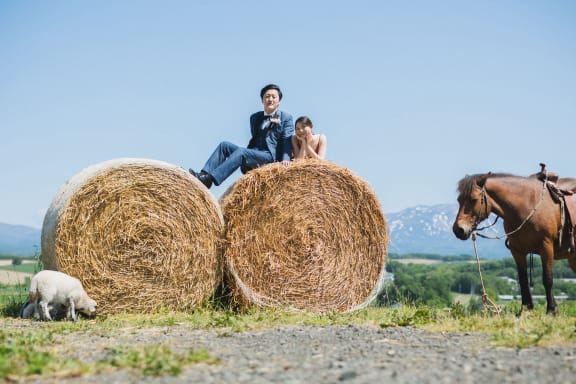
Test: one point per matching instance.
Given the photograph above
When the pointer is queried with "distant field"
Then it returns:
(16, 274)
(417, 261)
(463, 298)
(27, 266)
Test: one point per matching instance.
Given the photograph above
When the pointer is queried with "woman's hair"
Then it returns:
(305, 120)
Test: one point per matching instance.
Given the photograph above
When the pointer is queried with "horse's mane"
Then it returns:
(467, 184)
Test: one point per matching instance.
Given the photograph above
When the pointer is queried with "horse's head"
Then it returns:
(473, 205)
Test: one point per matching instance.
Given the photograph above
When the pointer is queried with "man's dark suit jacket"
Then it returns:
(278, 136)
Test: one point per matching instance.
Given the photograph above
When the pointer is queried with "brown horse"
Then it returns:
(532, 221)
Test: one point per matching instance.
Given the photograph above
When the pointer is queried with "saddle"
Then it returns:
(567, 200)
(545, 175)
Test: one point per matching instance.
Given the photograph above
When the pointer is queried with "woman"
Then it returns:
(305, 144)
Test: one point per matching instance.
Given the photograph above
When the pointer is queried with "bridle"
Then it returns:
(483, 203)
(479, 219)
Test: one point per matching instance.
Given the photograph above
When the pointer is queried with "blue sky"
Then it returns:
(412, 95)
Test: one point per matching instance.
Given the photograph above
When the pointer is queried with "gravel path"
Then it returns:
(332, 354)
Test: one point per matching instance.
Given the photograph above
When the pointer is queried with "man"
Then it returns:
(271, 130)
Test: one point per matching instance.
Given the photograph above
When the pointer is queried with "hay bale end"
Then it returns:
(141, 235)
(310, 235)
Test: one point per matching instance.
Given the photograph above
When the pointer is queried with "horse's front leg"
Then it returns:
(547, 258)
(520, 259)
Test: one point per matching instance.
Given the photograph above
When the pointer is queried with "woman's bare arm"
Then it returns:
(298, 148)
(322, 146)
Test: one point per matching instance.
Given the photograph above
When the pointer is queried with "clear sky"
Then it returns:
(412, 95)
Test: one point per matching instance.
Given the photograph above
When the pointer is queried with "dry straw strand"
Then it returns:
(141, 235)
(310, 236)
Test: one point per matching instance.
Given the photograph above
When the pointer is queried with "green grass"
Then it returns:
(155, 360)
(530, 329)
(505, 329)
(28, 354)
(12, 297)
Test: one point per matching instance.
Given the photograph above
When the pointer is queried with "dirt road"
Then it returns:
(331, 354)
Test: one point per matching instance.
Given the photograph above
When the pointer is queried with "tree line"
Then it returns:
(437, 284)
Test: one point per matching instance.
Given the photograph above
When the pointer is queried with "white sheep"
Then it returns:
(56, 288)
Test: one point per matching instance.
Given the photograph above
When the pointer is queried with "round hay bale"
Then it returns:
(310, 236)
(141, 235)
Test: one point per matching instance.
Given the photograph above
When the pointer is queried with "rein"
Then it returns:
(484, 202)
(486, 302)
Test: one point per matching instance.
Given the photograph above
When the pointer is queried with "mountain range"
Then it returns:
(428, 229)
(420, 229)
(19, 240)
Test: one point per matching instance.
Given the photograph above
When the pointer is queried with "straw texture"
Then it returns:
(141, 235)
(310, 236)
